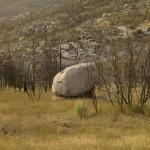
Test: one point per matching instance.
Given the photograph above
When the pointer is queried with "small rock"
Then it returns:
(102, 98)
(55, 98)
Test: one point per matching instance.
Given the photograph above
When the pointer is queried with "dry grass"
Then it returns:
(54, 125)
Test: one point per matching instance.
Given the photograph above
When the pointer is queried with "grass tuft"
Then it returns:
(81, 109)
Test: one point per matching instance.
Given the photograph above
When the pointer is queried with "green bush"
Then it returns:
(81, 109)
(138, 32)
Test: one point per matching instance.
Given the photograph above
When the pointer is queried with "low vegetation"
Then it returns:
(81, 109)
(53, 124)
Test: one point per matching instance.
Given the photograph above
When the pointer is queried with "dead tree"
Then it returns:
(125, 73)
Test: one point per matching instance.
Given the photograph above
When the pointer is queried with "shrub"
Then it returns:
(132, 27)
(81, 109)
(148, 29)
(139, 31)
(138, 109)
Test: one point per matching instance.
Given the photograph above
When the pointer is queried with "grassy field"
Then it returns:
(54, 125)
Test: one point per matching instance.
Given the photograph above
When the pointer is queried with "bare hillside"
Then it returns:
(10, 8)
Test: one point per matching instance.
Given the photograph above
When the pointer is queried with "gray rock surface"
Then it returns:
(75, 80)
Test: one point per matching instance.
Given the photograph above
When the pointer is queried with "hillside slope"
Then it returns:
(83, 26)
(10, 8)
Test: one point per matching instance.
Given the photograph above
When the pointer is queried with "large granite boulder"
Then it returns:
(75, 80)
